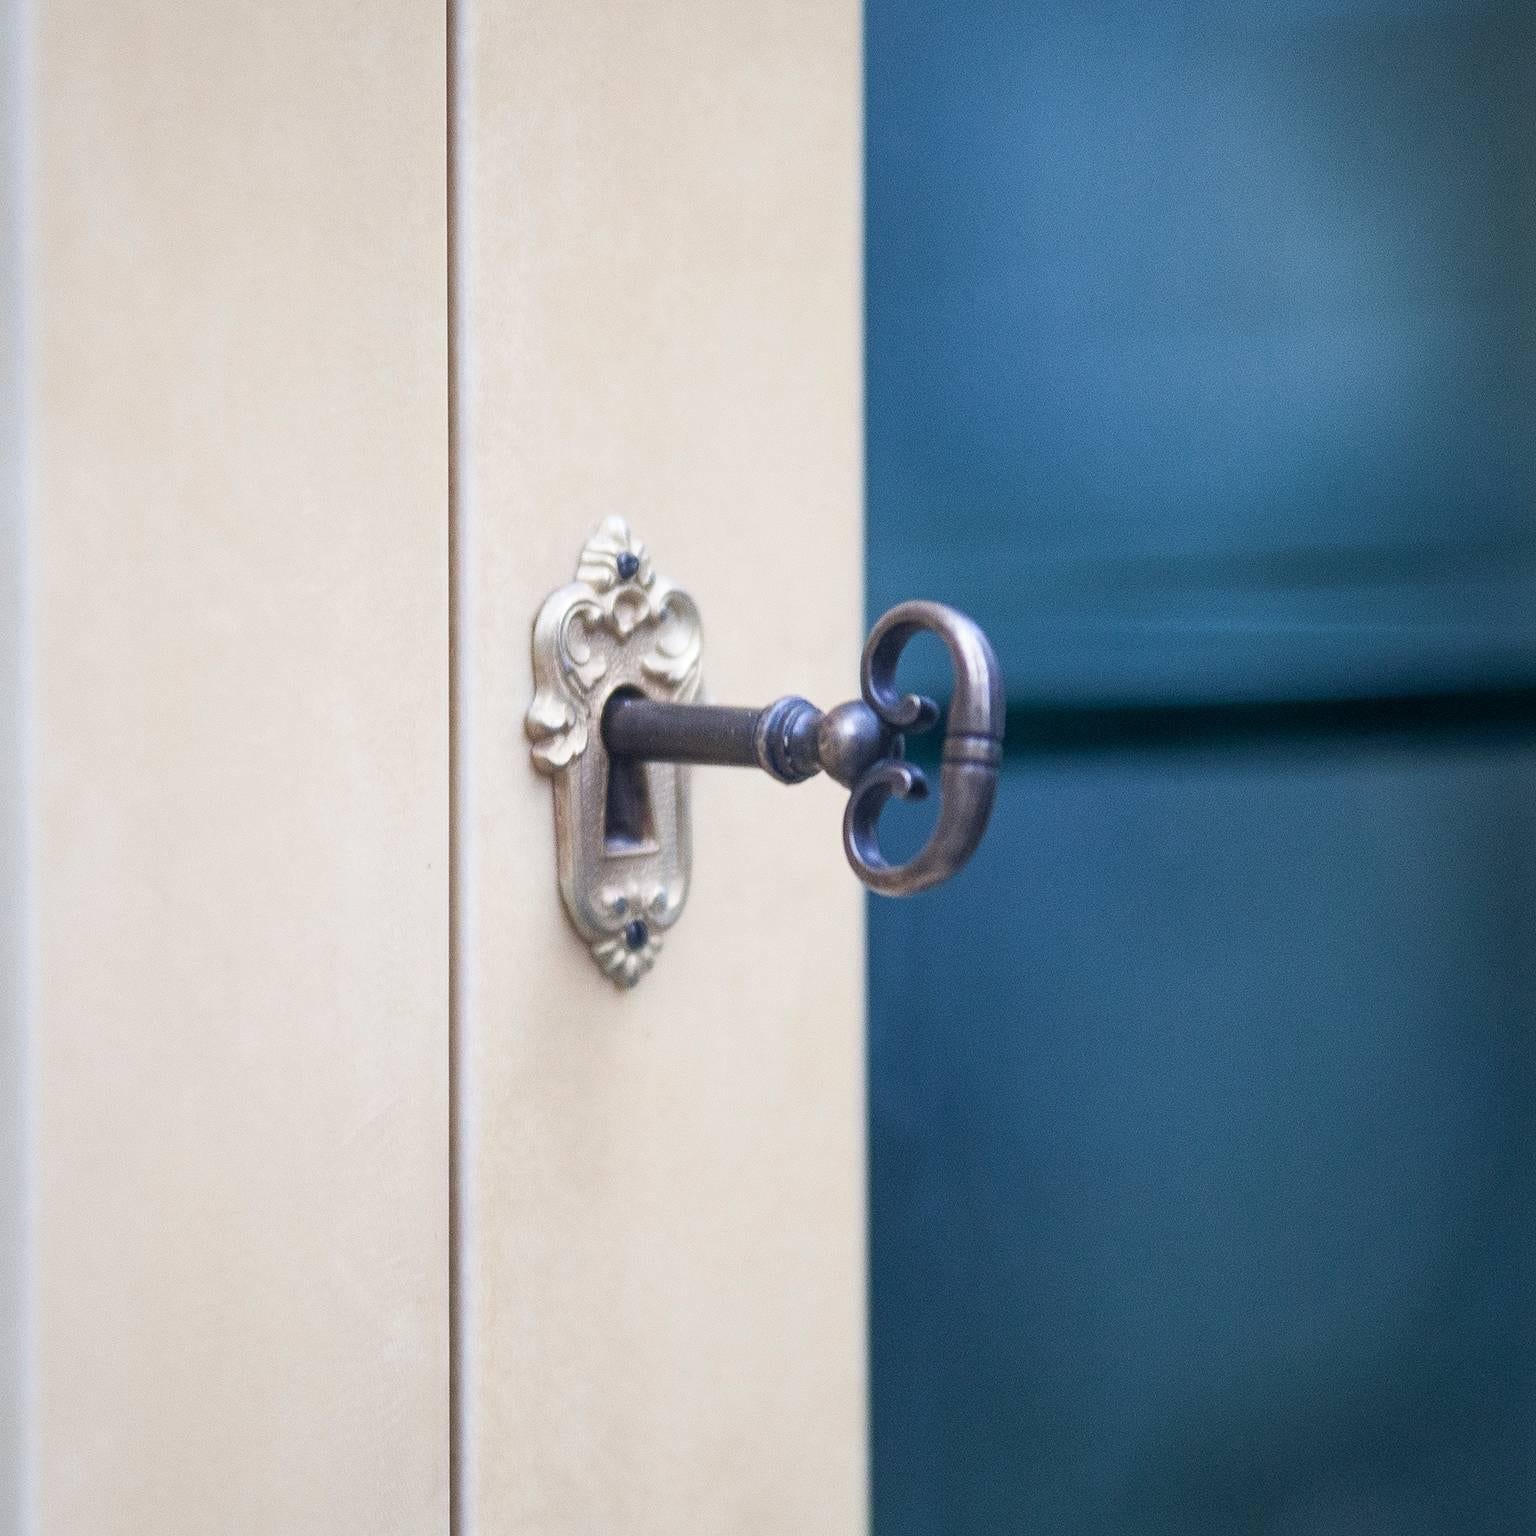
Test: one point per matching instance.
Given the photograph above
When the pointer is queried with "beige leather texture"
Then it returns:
(661, 1297)
(237, 523)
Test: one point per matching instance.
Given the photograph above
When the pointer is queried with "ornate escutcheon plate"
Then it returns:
(624, 858)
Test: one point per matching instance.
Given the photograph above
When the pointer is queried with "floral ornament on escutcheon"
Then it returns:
(616, 594)
(627, 954)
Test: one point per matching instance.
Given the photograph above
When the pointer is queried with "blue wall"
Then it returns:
(1202, 1157)
(1200, 336)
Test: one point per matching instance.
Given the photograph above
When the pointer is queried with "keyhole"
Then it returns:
(627, 823)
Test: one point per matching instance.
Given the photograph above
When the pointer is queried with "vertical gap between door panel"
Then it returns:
(461, 1515)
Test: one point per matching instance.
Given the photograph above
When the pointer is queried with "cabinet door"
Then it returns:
(660, 1222)
(226, 1094)
(260, 924)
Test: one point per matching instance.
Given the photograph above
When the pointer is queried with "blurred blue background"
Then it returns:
(1202, 371)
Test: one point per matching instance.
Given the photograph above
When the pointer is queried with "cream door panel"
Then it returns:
(660, 1298)
(234, 512)
(13, 1138)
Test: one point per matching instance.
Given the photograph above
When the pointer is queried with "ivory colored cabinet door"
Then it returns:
(660, 1194)
(283, 957)
(223, 474)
